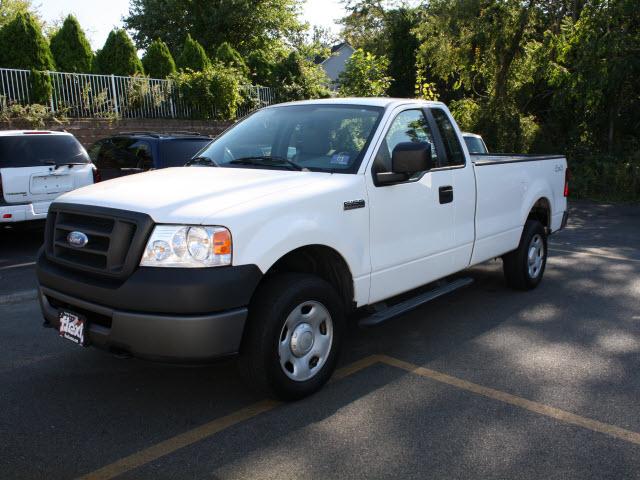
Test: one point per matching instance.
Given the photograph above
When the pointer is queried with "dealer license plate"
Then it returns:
(72, 327)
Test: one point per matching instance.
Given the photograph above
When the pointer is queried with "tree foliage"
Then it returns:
(298, 78)
(365, 75)
(158, 61)
(248, 25)
(22, 45)
(543, 76)
(10, 8)
(388, 32)
(193, 57)
(70, 48)
(213, 92)
(118, 56)
(230, 57)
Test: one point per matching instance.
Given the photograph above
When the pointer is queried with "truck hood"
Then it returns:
(190, 194)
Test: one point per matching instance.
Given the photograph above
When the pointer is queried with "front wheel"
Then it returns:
(293, 338)
(524, 267)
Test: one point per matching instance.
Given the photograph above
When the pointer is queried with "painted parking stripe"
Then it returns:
(540, 408)
(18, 265)
(190, 437)
(197, 434)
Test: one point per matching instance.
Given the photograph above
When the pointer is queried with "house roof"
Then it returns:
(336, 48)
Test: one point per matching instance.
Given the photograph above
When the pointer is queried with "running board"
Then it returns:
(403, 307)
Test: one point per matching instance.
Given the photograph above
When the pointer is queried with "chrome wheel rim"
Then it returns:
(305, 341)
(535, 256)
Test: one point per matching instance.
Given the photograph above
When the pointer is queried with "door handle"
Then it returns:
(446, 194)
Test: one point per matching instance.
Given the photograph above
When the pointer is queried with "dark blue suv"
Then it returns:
(135, 152)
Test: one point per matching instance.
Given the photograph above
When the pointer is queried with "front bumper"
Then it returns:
(23, 212)
(164, 314)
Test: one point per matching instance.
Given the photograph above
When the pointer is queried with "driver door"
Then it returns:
(412, 222)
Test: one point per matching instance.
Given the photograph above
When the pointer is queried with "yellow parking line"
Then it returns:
(180, 441)
(546, 410)
(197, 434)
(190, 437)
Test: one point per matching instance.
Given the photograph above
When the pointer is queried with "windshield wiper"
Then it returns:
(270, 161)
(202, 161)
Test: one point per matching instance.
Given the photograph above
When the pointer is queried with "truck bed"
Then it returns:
(508, 187)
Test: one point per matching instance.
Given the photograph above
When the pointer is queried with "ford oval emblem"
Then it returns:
(77, 239)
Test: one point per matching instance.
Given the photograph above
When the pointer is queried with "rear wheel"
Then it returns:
(293, 337)
(524, 267)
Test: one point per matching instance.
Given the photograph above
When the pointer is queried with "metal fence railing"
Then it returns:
(80, 95)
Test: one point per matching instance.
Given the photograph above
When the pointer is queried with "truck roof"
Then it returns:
(384, 102)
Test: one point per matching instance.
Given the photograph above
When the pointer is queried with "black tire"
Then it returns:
(272, 304)
(515, 264)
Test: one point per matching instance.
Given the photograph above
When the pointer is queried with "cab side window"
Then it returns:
(453, 149)
(408, 126)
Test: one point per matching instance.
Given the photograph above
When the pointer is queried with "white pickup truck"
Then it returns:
(283, 227)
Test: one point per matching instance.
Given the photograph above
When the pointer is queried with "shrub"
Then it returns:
(230, 57)
(118, 56)
(30, 116)
(214, 92)
(365, 75)
(296, 78)
(40, 87)
(22, 45)
(193, 56)
(70, 48)
(157, 61)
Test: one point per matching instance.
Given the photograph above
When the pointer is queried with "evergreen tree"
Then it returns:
(70, 48)
(157, 61)
(230, 57)
(193, 56)
(118, 56)
(22, 45)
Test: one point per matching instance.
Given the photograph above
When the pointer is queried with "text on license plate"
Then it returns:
(72, 327)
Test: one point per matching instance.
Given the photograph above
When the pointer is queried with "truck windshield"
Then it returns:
(37, 150)
(331, 138)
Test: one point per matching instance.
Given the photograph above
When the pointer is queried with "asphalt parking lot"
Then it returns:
(483, 383)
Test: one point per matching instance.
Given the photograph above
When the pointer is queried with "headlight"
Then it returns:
(182, 246)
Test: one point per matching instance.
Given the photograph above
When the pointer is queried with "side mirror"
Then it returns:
(407, 158)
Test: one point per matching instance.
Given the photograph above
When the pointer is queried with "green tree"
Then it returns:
(365, 75)
(248, 25)
(386, 30)
(70, 48)
(10, 8)
(297, 78)
(193, 56)
(22, 45)
(230, 57)
(157, 60)
(118, 56)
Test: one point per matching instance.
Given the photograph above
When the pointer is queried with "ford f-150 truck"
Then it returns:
(298, 217)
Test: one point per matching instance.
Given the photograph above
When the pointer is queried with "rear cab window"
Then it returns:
(452, 147)
(36, 150)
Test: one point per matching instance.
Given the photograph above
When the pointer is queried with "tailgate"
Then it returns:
(50, 183)
(42, 183)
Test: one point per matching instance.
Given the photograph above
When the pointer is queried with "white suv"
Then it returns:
(36, 167)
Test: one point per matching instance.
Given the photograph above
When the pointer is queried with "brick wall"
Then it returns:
(90, 130)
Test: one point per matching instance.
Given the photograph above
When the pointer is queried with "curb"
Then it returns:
(18, 297)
